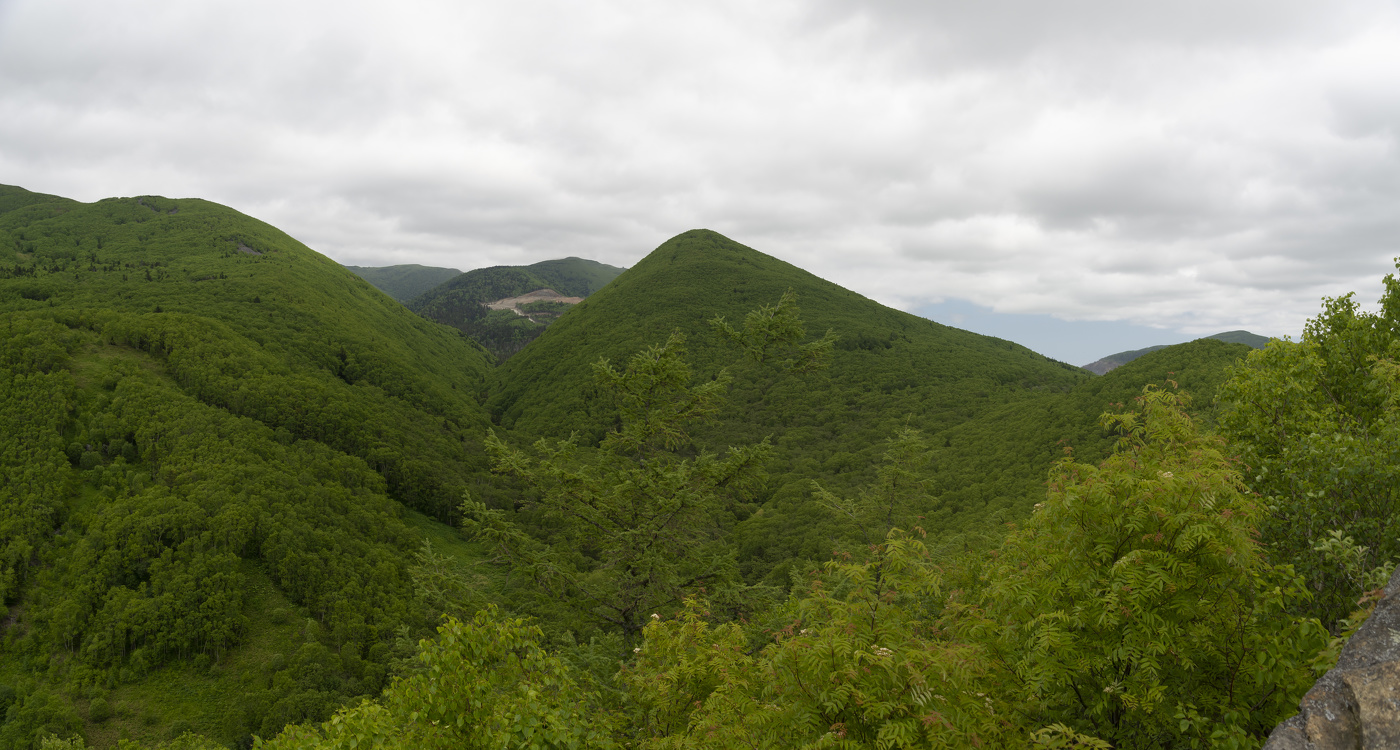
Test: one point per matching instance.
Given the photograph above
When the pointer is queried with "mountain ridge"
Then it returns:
(1105, 364)
(404, 282)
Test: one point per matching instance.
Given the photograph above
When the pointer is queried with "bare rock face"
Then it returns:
(1356, 705)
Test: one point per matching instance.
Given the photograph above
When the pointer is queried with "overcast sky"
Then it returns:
(1073, 175)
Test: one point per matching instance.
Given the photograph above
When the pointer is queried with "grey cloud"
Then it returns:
(1189, 164)
(949, 32)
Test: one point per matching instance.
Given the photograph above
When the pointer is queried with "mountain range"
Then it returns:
(449, 296)
(233, 467)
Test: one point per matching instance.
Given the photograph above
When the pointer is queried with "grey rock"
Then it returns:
(1356, 705)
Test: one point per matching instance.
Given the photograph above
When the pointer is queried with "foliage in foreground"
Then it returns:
(1135, 605)
(1318, 424)
(485, 684)
(1134, 610)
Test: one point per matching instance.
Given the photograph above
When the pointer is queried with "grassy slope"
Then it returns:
(404, 282)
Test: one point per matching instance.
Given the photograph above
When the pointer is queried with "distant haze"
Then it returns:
(1066, 172)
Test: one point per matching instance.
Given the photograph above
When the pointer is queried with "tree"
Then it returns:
(1135, 604)
(486, 683)
(775, 332)
(900, 489)
(861, 663)
(1317, 424)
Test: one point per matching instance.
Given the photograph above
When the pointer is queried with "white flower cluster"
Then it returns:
(881, 651)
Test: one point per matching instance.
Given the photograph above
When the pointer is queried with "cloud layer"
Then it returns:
(1193, 165)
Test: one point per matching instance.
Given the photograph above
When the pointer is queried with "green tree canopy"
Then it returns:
(1317, 423)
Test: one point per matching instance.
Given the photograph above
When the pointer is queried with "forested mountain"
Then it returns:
(208, 430)
(997, 414)
(1101, 366)
(888, 370)
(221, 455)
(459, 302)
(407, 281)
(888, 364)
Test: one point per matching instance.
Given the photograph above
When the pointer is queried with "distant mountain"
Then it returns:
(1252, 340)
(404, 282)
(461, 302)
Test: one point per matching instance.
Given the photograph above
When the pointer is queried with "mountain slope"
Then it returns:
(460, 302)
(221, 297)
(991, 469)
(204, 430)
(404, 282)
(209, 433)
(889, 369)
(995, 414)
(975, 464)
(1099, 367)
(886, 359)
(575, 277)
(1251, 340)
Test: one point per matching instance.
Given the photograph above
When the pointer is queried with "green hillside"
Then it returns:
(1001, 458)
(991, 469)
(889, 370)
(1099, 367)
(459, 301)
(888, 366)
(404, 282)
(208, 436)
(225, 463)
(575, 277)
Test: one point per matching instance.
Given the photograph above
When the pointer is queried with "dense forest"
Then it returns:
(249, 500)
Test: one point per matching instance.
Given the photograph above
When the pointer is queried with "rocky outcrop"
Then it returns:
(1357, 703)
